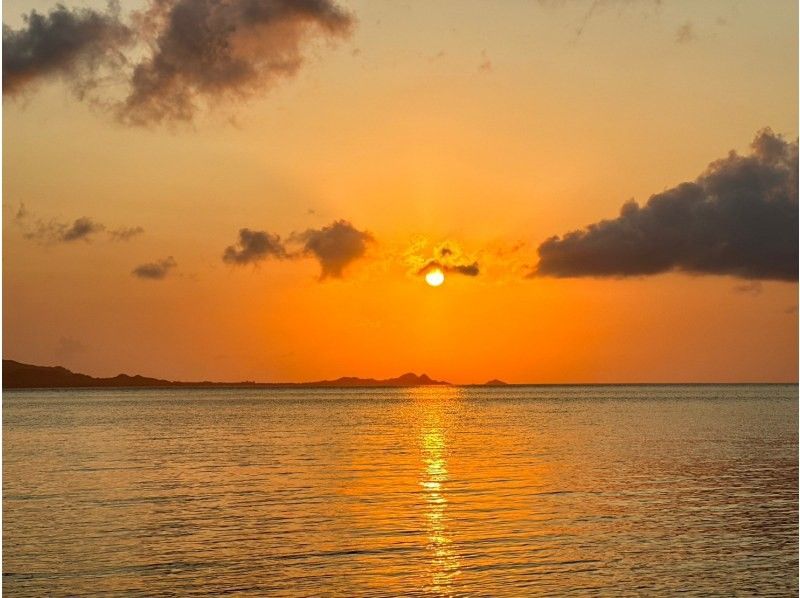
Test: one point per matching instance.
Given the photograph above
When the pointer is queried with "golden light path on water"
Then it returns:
(444, 563)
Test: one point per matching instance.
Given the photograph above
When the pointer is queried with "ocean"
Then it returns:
(451, 491)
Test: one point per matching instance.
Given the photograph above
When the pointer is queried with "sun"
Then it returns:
(435, 277)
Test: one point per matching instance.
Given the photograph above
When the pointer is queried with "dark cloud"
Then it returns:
(465, 269)
(206, 49)
(448, 257)
(334, 246)
(739, 218)
(125, 233)
(58, 232)
(254, 246)
(180, 55)
(53, 232)
(82, 228)
(472, 269)
(72, 43)
(155, 270)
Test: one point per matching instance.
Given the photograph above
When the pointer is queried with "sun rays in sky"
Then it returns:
(360, 188)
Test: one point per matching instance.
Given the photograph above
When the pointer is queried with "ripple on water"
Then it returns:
(449, 491)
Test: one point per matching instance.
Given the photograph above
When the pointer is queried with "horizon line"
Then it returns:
(364, 382)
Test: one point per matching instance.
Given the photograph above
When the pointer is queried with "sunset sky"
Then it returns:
(261, 200)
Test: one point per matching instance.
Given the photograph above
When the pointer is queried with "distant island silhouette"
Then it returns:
(24, 375)
(495, 382)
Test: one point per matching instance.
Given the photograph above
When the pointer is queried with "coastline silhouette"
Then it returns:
(25, 375)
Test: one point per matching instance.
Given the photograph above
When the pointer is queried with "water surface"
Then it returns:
(618, 490)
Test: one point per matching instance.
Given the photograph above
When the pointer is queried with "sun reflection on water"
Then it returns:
(444, 564)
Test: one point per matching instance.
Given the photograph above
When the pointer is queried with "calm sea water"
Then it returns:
(444, 491)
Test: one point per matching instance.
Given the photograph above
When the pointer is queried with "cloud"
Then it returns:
(738, 218)
(447, 256)
(174, 57)
(465, 269)
(71, 43)
(53, 232)
(592, 9)
(82, 229)
(155, 270)
(254, 246)
(597, 5)
(685, 33)
(334, 246)
(207, 49)
(472, 269)
(125, 233)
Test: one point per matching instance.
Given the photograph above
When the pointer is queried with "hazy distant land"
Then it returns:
(24, 375)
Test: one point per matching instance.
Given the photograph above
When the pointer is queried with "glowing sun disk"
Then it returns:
(435, 277)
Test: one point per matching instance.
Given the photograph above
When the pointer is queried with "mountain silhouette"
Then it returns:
(24, 375)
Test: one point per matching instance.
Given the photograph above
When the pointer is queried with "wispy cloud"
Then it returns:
(447, 256)
(155, 270)
(50, 232)
(81, 229)
(125, 233)
(591, 9)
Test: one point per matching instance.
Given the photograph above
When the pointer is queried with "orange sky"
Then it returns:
(491, 128)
